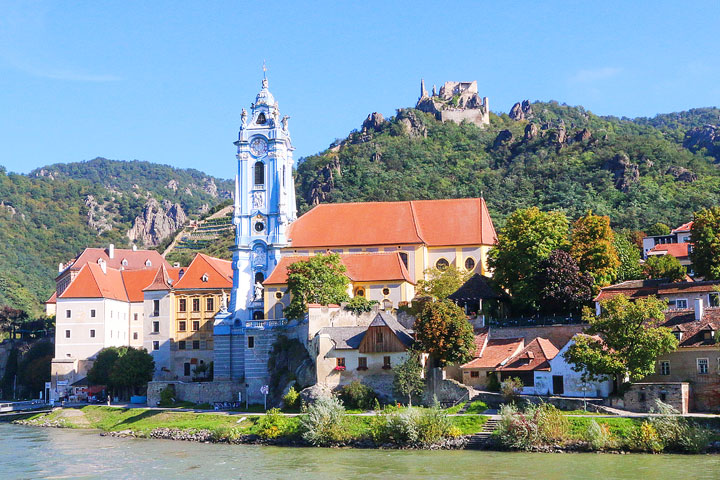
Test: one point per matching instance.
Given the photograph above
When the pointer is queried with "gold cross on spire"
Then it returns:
(264, 69)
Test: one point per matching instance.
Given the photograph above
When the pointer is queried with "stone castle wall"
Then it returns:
(641, 397)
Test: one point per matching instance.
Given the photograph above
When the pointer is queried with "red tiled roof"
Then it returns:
(52, 299)
(92, 282)
(496, 350)
(361, 267)
(463, 221)
(692, 330)
(677, 250)
(218, 271)
(164, 279)
(644, 288)
(135, 259)
(685, 227)
(535, 356)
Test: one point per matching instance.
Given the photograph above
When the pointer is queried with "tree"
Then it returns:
(632, 339)
(34, 367)
(438, 283)
(443, 331)
(592, 247)
(629, 256)
(319, 279)
(527, 239)
(11, 318)
(408, 379)
(99, 373)
(563, 287)
(664, 266)
(658, 229)
(132, 370)
(705, 236)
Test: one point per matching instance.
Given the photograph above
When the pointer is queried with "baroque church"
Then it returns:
(385, 246)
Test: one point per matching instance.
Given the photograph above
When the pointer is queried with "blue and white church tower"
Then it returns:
(264, 208)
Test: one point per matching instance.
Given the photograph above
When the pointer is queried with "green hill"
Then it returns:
(638, 171)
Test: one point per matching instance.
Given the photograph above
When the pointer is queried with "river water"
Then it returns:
(31, 452)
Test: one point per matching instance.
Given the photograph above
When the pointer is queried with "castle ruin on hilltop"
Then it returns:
(456, 101)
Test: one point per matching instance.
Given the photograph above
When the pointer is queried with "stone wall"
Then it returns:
(641, 396)
(445, 390)
(196, 392)
(494, 400)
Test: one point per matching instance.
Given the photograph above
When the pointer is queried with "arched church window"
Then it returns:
(258, 315)
(442, 264)
(259, 173)
(261, 119)
(259, 277)
(469, 264)
(278, 311)
(360, 292)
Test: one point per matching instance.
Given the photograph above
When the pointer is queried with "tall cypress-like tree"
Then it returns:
(592, 247)
(705, 236)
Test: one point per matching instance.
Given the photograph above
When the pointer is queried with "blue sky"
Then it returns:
(165, 81)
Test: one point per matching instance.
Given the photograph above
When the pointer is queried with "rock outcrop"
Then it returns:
(707, 137)
(97, 217)
(521, 111)
(324, 183)
(373, 122)
(156, 222)
(682, 174)
(624, 171)
(413, 125)
(583, 135)
(503, 138)
(531, 131)
(210, 188)
(173, 185)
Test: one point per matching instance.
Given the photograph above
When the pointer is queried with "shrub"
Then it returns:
(510, 388)
(516, 429)
(402, 426)
(493, 384)
(597, 436)
(324, 423)
(359, 304)
(553, 426)
(272, 425)
(433, 425)
(291, 398)
(677, 432)
(357, 395)
(645, 439)
(167, 396)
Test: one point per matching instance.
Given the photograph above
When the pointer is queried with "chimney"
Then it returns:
(134, 248)
(103, 266)
(60, 267)
(699, 309)
(111, 251)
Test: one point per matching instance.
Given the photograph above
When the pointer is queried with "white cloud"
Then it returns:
(595, 74)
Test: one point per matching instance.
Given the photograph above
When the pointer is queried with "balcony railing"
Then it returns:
(533, 321)
(266, 323)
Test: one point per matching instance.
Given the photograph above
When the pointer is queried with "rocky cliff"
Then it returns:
(156, 222)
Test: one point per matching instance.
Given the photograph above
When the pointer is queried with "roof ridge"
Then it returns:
(416, 224)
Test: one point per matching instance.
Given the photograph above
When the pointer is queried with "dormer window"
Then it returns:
(205, 277)
(678, 335)
(148, 263)
(124, 262)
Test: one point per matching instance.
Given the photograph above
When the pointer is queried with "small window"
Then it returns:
(362, 363)
(92, 313)
(259, 173)
(664, 368)
(261, 119)
(386, 291)
(469, 264)
(278, 295)
(186, 369)
(210, 304)
(156, 308)
(156, 327)
(678, 335)
(379, 337)
(135, 335)
(251, 342)
(182, 305)
(474, 374)
(404, 258)
(360, 292)
(67, 333)
(148, 263)
(135, 317)
(182, 326)
(124, 262)
(205, 277)
(386, 362)
(340, 361)
(196, 344)
(92, 333)
(67, 314)
(196, 305)
(442, 264)
(182, 345)
(156, 345)
(702, 366)
(681, 303)
(196, 325)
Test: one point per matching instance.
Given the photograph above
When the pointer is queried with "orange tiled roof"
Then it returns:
(135, 259)
(53, 298)
(163, 279)
(462, 221)
(535, 356)
(218, 271)
(496, 350)
(685, 227)
(692, 330)
(361, 267)
(92, 282)
(677, 250)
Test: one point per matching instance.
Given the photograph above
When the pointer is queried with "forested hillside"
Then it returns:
(637, 171)
(50, 215)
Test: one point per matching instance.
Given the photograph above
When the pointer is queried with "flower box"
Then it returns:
(339, 368)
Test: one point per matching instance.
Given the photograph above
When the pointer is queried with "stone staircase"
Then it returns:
(482, 438)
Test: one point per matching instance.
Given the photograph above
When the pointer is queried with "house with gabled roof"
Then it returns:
(367, 353)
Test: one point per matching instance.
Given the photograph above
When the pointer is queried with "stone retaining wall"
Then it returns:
(641, 397)
(196, 392)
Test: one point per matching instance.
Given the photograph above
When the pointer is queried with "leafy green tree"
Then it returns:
(438, 283)
(632, 339)
(564, 289)
(34, 368)
(592, 247)
(408, 380)
(99, 373)
(629, 257)
(528, 238)
(658, 229)
(664, 266)
(705, 236)
(132, 370)
(319, 279)
(443, 331)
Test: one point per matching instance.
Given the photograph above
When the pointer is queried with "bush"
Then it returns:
(402, 426)
(412, 426)
(493, 384)
(360, 304)
(291, 398)
(324, 423)
(434, 425)
(272, 425)
(357, 395)
(553, 426)
(677, 432)
(510, 388)
(645, 439)
(597, 436)
(167, 396)
(535, 426)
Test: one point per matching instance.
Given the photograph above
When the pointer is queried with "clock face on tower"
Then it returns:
(258, 146)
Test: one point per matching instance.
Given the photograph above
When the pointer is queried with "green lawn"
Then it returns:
(620, 427)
